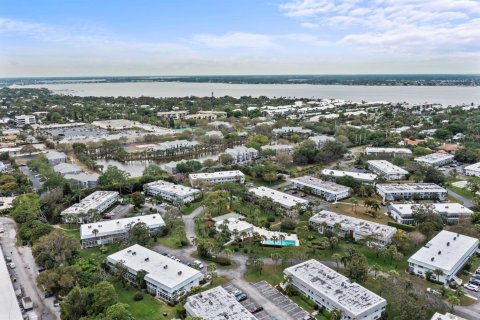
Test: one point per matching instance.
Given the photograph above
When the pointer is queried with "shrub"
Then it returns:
(271, 219)
(138, 296)
(401, 226)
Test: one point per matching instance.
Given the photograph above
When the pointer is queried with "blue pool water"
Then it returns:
(279, 243)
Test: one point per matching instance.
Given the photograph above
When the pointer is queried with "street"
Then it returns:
(36, 183)
(26, 271)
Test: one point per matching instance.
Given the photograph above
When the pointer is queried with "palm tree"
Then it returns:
(274, 239)
(336, 314)
(282, 238)
(453, 301)
(333, 242)
(438, 272)
(275, 257)
(337, 257)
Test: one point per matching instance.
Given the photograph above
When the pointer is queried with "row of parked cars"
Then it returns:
(251, 307)
(474, 282)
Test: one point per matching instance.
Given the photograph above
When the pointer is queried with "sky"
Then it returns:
(234, 37)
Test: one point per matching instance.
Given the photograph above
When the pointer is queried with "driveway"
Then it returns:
(26, 271)
(467, 203)
(36, 183)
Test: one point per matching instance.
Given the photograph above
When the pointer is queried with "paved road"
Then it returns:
(467, 203)
(36, 183)
(25, 271)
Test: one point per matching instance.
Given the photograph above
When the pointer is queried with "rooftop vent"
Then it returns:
(128, 251)
(432, 259)
(448, 244)
(89, 227)
(146, 259)
(118, 222)
(439, 252)
(165, 266)
(454, 238)
(134, 253)
(180, 272)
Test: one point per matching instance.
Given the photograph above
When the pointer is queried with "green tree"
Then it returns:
(55, 249)
(139, 233)
(118, 311)
(103, 296)
(138, 199)
(114, 178)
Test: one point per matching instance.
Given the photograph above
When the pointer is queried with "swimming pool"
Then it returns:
(283, 243)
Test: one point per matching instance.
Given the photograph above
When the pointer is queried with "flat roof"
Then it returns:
(109, 227)
(216, 175)
(351, 223)
(282, 198)
(172, 188)
(217, 304)
(54, 154)
(446, 316)
(9, 307)
(355, 175)
(277, 147)
(448, 208)
(452, 246)
(410, 187)
(351, 296)
(66, 167)
(387, 150)
(316, 183)
(474, 167)
(434, 157)
(160, 268)
(387, 167)
(90, 202)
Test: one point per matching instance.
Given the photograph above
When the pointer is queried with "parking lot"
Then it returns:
(281, 301)
(248, 303)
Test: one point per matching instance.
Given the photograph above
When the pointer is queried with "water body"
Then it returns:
(445, 95)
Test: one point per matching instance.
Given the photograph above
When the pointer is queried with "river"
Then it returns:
(446, 95)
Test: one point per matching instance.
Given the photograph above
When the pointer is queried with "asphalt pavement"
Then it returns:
(36, 183)
(26, 271)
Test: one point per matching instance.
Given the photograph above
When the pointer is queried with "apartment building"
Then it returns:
(287, 131)
(9, 308)
(84, 180)
(217, 177)
(448, 252)
(219, 114)
(285, 200)
(367, 178)
(67, 168)
(451, 212)
(327, 189)
(398, 191)
(177, 115)
(242, 154)
(392, 152)
(446, 316)
(380, 234)
(202, 116)
(216, 304)
(472, 170)
(330, 290)
(54, 157)
(23, 120)
(105, 232)
(97, 202)
(172, 192)
(321, 139)
(278, 148)
(387, 170)
(435, 159)
(166, 278)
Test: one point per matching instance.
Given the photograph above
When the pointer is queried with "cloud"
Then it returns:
(407, 26)
(235, 40)
(310, 25)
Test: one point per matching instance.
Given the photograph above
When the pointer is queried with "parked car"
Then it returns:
(255, 308)
(237, 292)
(241, 297)
(472, 287)
(8, 259)
(2, 229)
(474, 281)
(47, 294)
(12, 265)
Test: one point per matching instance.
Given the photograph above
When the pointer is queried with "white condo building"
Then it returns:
(171, 191)
(105, 232)
(472, 170)
(372, 151)
(435, 159)
(356, 228)
(327, 189)
(67, 168)
(451, 212)
(166, 278)
(387, 170)
(54, 157)
(98, 202)
(447, 251)
(331, 290)
(446, 316)
(23, 120)
(283, 131)
(321, 139)
(242, 154)
(368, 178)
(216, 304)
(398, 191)
(217, 177)
(278, 148)
(9, 308)
(285, 200)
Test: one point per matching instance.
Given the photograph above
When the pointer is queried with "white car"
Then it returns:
(472, 287)
(12, 265)
(2, 229)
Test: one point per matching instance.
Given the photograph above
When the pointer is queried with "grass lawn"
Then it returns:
(270, 273)
(463, 192)
(189, 207)
(346, 209)
(147, 309)
(172, 240)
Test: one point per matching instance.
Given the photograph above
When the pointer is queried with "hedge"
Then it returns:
(401, 226)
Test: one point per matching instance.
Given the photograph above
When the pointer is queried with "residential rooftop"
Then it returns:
(172, 188)
(446, 208)
(387, 167)
(316, 183)
(108, 227)
(387, 150)
(90, 202)
(351, 296)
(356, 175)
(444, 250)
(282, 198)
(410, 187)
(215, 175)
(159, 268)
(434, 157)
(9, 308)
